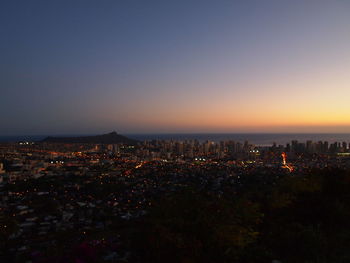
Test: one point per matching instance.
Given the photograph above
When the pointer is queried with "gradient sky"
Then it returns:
(174, 66)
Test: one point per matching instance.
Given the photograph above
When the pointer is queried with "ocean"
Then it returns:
(255, 138)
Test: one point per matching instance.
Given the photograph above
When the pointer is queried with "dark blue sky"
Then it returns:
(174, 66)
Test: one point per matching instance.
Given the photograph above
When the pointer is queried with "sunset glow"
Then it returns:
(176, 67)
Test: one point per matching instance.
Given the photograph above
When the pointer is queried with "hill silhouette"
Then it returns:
(109, 138)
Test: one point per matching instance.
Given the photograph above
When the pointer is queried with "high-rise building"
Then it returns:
(294, 146)
(309, 146)
(344, 146)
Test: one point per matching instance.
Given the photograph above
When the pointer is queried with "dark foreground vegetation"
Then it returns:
(284, 219)
(295, 219)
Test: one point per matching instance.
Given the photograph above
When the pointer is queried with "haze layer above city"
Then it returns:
(87, 67)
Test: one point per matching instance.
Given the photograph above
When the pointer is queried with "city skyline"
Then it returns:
(174, 67)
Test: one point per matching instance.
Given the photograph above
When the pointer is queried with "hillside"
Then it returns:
(109, 138)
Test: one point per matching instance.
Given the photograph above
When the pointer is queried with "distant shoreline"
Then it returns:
(255, 138)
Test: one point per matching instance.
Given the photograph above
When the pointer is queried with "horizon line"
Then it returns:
(169, 133)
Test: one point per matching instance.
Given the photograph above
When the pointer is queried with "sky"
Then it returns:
(184, 66)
